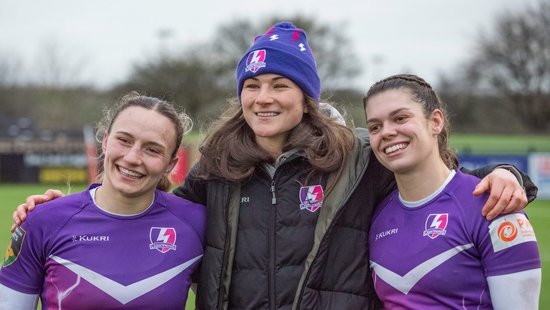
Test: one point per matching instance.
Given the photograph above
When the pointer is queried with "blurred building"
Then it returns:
(31, 155)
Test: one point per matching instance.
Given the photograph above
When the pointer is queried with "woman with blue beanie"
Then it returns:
(289, 192)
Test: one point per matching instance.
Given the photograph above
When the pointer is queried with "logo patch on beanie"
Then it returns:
(255, 61)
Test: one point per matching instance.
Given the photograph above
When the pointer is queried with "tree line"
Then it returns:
(502, 87)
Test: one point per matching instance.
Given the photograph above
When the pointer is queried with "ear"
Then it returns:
(104, 141)
(437, 121)
(172, 164)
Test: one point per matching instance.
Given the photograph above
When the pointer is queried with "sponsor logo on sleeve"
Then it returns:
(311, 197)
(15, 246)
(436, 225)
(510, 230)
(163, 239)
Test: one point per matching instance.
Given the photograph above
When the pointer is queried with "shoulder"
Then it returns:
(193, 187)
(464, 203)
(190, 213)
(181, 207)
(462, 185)
(361, 148)
(383, 205)
(63, 208)
(175, 201)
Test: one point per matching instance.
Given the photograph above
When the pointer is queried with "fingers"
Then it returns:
(19, 216)
(511, 198)
(518, 201)
(16, 221)
(50, 194)
(482, 187)
(493, 206)
(496, 204)
(53, 193)
(505, 193)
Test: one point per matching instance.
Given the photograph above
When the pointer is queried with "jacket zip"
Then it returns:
(273, 198)
(273, 219)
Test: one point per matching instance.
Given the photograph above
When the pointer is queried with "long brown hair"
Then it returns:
(230, 152)
(181, 121)
(423, 93)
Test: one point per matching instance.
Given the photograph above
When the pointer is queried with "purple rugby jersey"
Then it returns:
(77, 256)
(438, 255)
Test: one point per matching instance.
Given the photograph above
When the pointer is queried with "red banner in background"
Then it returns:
(177, 175)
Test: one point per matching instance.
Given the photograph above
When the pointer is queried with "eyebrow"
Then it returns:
(147, 143)
(278, 77)
(392, 113)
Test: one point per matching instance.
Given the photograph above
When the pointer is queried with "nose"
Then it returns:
(133, 156)
(265, 95)
(388, 130)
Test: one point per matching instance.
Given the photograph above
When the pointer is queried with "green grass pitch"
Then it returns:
(539, 214)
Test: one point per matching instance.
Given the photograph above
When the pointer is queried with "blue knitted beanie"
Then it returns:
(282, 50)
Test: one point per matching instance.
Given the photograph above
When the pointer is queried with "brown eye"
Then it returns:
(280, 85)
(153, 151)
(250, 84)
(374, 128)
(401, 118)
(123, 140)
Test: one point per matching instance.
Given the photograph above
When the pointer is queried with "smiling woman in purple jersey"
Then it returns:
(124, 242)
(440, 253)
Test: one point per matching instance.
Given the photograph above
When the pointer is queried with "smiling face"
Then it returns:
(402, 137)
(138, 151)
(272, 106)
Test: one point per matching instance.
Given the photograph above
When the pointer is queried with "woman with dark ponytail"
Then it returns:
(429, 248)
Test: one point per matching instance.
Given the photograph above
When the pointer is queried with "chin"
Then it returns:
(398, 166)
(264, 133)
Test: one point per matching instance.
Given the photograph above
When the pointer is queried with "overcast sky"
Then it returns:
(106, 36)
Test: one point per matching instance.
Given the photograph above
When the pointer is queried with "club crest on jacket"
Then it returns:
(311, 197)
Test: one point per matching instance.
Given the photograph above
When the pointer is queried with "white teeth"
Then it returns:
(396, 147)
(267, 113)
(129, 172)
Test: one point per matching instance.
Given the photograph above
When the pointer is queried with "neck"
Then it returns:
(115, 202)
(272, 147)
(422, 181)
